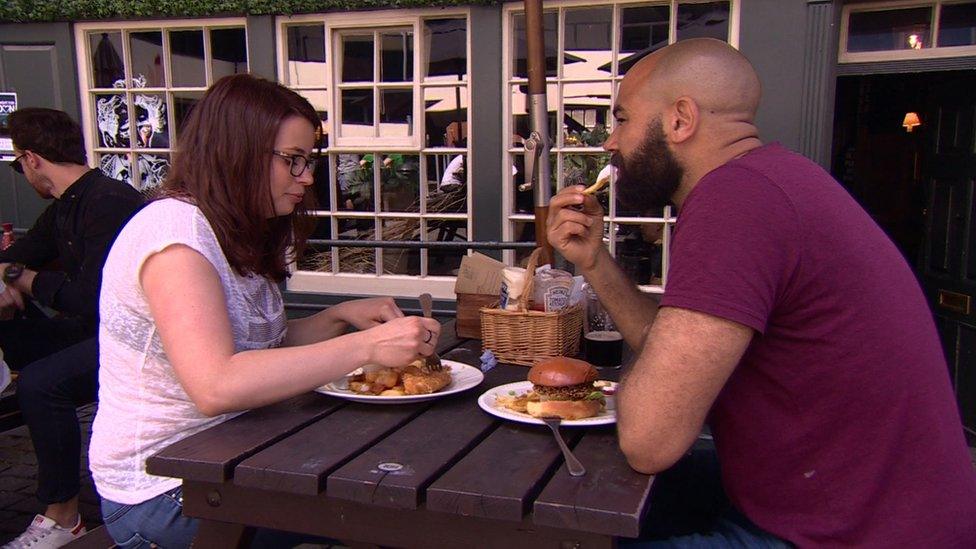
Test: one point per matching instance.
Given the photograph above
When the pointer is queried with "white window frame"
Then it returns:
(935, 52)
(440, 287)
(85, 77)
(508, 197)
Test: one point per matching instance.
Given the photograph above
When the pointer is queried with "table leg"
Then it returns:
(216, 534)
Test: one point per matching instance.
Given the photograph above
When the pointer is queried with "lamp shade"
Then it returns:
(911, 120)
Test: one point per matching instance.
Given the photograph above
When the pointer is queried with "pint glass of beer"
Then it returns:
(602, 343)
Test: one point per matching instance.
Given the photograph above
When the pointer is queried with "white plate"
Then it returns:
(487, 403)
(463, 377)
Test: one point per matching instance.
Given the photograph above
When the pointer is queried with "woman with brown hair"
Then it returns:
(193, 327)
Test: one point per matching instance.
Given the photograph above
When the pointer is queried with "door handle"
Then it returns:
(954, 301)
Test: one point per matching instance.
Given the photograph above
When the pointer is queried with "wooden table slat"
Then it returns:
(500, 478)
(300, 463)
(210, 455)
(609, 499)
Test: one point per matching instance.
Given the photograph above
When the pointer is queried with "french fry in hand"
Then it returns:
(598, 186)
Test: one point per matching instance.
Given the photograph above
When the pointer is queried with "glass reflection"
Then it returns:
(228, 48)
(708, 20)
(446, 113)
(357, 58)
(447, 41)
(183, 102)
(396, 56)
(403, 261)
(151, 122)
(586, 114)
(107, 67)
(442, 262)
(520, 111)
(357, 113)
(187, 58)
(353, 183)
(638, 251)
(643, 30)
(112, 119)
(957, 25)
(587, 43)
(550, 23)
(146, 52)
(306, 55)
(399, 182)
(396, 113)
(447, 179)
(889, 30)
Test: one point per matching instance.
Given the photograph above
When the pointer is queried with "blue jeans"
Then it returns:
(158, 521)
(689, 510)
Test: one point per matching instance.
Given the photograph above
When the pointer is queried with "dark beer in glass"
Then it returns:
(604, 348)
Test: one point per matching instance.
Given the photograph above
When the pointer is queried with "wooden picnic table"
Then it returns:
(441, 473)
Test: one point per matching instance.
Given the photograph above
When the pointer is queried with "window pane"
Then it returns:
(152, 130)
(889, 30)
(146, 50)
(354, 182)
(152, 170)
(396, 57)
(520, 113)
(357, 114)
(316, 257)
(957, 25)
(116, 166)
(445, 262)
(524, 201)
(588, 48)
(107, 67)
(447, 41)
(524, 232)
(643, 30)
(112, 119)
(358, 260)
(183, 102)
(400, 183)
(639, 251)
(396, 113)
(320, 101)
(229, 50)
(400, 260)
(447, 175)
(446, 112)
(586, 114)
(550, 23)
(186, 58)
(306, 55)
(709, 20)
(357, 58)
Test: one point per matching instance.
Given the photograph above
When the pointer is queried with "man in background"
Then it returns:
(58, 266)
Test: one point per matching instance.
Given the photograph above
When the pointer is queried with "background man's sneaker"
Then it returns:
(44, 533)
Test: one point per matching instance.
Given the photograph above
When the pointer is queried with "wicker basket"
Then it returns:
(525, 337)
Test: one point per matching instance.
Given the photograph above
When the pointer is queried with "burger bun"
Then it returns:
(561, 371)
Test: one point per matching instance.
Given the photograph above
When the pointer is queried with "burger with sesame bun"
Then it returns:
(564, 387)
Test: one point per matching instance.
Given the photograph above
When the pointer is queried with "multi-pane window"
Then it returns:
(392, 93)
(908, 30)
(140, 81)
(589, 47)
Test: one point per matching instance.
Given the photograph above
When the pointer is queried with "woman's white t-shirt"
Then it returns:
(142, 405)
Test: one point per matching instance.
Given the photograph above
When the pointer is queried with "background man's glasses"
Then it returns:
(298, 163)
(15, 164)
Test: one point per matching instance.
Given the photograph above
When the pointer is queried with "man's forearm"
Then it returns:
(632, 310)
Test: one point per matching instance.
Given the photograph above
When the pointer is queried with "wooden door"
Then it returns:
(948, 262)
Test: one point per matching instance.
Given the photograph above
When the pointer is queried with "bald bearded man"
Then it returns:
(790, 324)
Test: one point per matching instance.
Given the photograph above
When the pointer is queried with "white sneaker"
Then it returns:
(44, 533)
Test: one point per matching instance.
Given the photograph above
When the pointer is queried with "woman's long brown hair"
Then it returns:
(222, 165)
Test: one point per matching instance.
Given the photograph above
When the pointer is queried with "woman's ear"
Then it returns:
(684, 119)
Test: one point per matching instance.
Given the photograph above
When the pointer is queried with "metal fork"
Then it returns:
(575, 467)
(432, 363)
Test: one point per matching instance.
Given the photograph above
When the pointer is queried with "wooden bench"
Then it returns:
(96, 538)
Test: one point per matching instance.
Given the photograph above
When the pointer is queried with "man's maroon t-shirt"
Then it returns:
(839, 425)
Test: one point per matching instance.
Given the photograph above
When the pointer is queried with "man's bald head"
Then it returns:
(719, 78)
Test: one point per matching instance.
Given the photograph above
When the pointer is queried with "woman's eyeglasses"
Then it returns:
(15, 164)
(298, 163)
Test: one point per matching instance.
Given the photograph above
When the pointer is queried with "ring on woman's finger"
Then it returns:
(430, 336)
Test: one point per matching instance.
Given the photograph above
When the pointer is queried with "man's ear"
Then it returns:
(684, 119)
(33, 159)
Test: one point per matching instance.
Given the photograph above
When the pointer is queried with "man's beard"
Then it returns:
(648, 179)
